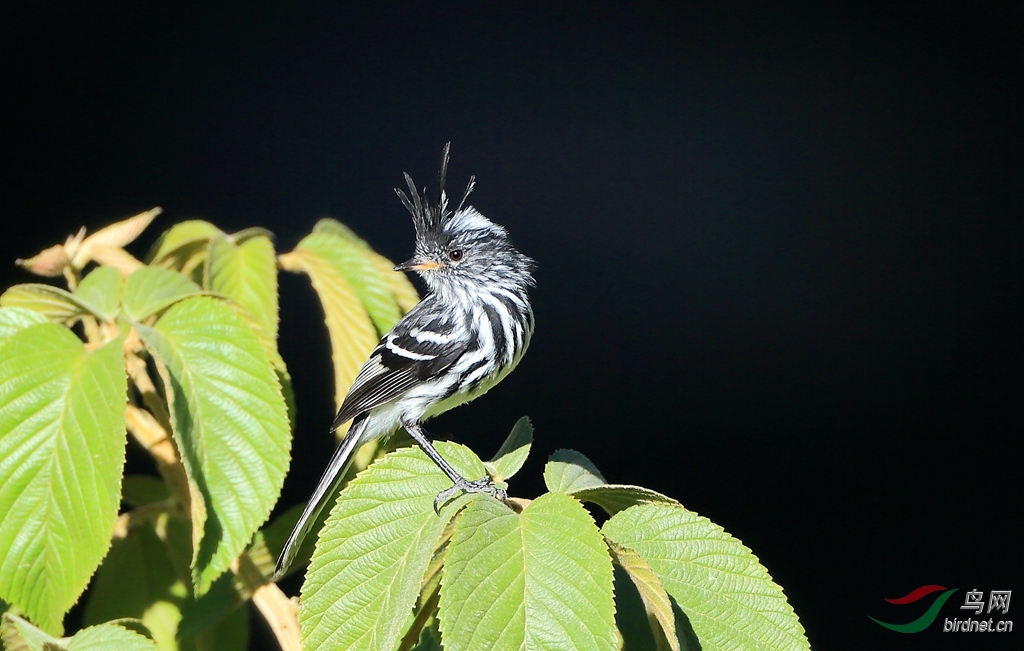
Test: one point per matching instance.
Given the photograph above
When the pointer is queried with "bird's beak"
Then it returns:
(417, 265)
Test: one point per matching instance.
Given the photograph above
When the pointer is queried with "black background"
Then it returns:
(780, 250)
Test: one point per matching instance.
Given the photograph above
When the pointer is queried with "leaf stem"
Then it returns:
(280, 612)
(144, 427)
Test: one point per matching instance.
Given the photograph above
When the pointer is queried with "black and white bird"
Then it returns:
(464, 337)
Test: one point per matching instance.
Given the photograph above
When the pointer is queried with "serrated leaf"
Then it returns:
(335, 227)
(350, 260)
(230, 426)
(541, 579)
(404, 293)
(18, 635)
(429, 640)
(132, 624)
(138, 580)
(15, 319)
(631, 616)
(618, 497)
(28, 636)
(247, 273)
(109, 636)
(571, 472)
(513, 452)
(230, 633)
(240, 237)
(62, 447)
(207, 612)
(52, 302)
(151, 289)
(568, 471)
(150, 574)
(183, 246)
(656, 601)
(269, 541)
(101, 290)
(352, 333)
(374, 547)
(728, 596)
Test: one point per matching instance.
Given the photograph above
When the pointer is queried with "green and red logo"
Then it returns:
(925, 620)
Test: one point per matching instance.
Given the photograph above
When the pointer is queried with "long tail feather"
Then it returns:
(326, 489)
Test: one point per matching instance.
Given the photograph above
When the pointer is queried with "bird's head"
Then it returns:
(461, 249)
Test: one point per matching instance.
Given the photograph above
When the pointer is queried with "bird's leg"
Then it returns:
(462, 485)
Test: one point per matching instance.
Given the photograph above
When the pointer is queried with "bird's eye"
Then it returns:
(455, 255)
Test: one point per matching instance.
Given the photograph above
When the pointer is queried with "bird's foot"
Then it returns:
(482, 485)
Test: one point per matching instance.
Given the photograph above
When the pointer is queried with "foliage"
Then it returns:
(179, 352)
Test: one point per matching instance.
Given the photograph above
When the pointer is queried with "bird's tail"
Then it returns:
(326, 489)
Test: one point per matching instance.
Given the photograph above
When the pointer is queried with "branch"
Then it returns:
(280, 612)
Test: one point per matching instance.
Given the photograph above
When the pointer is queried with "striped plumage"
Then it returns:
(454, 345)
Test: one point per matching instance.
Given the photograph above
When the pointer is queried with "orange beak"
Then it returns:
(417, 265)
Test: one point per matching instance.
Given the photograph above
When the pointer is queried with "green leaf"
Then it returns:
(151, 289)
(206, 613)
(430, 640)
(101, 290)
(247, 273)
(109, 636)
(568, 471)
(141, 578)
(246, 234)
(374, 548)
(138, 580)
(183, 246)
(618, 497)
(512, 455)
(334, 227)
(140, 490)
(401, 289)
(728, 596)
(15, 319)
(269, 541)
(405, 294)
(230, 633)
(537, 580)
(571, 472)
(656, 601)
(631, 616)
(52, 302)
(229, 423)
(62, 447)
(352, 333)
(18, 635)
(350, 260)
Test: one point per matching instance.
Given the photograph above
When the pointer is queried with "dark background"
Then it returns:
(780, 250)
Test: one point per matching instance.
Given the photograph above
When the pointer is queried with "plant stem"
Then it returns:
(280, 612)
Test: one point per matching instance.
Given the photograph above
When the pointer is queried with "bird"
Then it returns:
(466, 335)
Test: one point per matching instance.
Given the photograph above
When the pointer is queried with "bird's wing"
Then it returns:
(420, 347)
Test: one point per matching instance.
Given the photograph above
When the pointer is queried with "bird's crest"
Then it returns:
(432, 218)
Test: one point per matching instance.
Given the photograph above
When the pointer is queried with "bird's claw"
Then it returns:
(482, 485)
